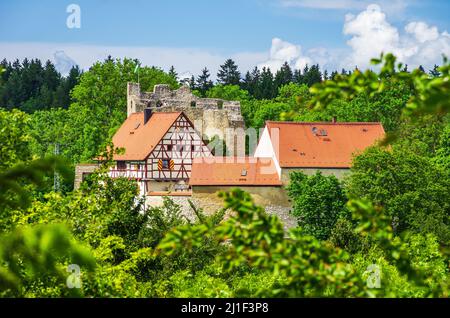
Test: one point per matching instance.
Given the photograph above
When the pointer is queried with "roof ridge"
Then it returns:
(324, 122)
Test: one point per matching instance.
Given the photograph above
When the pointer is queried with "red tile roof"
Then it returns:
(321, 145)
(231, 170)
(138, 139)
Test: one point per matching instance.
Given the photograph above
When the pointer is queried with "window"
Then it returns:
(121, 165)
(165, 163)
(192, 148)
(169, 147)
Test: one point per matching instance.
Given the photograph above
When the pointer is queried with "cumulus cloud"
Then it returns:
(282, 51)
(371, 34)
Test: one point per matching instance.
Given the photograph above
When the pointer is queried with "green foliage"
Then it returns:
(228, 92)
(159, 221)
(30, 255)
(228, 73)
(264, 110)
(31, 86)
(318, 202)
(412, 189)
(14, 141)
(240, 250)
(373, 224)
(430, 94)
(343, 235)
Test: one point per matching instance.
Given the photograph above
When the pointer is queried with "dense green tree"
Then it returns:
(251, 83)
(30, 86)
(203, 82)
(228, 73)
(267, 110)
(412, 189)
(266, 86)
(14, 138)
(312, 76)
(283, 76)
(319, 201)
(228, 92)
(172, 73)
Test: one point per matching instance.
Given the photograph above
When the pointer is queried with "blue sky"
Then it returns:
(254, 32)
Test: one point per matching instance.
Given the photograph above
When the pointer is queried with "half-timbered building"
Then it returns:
(158, 149)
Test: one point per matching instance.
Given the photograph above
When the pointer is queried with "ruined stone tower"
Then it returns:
(210, 116)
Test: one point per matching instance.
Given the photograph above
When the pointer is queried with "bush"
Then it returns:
(318, 202)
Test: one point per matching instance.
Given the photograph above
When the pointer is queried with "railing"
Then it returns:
(127, 173)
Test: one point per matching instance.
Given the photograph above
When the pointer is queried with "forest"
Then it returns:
(391, 212)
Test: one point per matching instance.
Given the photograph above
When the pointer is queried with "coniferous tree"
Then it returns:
(30, 86)
(173, 73)
(228, 73)
(298, 77)
(191, 83)
(313, 75)
(283, 76)
(251, 83)
(266, 84)
(203, 82)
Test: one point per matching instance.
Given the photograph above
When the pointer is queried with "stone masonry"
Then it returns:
(81, 170)
(210, 116)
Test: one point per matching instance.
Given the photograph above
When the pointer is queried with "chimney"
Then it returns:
(333, 120)
(147, 114)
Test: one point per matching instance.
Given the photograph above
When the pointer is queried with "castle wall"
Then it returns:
(210, 116)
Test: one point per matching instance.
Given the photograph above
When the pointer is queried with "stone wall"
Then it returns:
(81, 170)
(210, 116)
(262, 195)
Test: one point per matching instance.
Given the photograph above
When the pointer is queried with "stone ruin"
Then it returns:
(210, 116)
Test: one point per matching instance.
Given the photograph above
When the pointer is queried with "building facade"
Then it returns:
(157, 150)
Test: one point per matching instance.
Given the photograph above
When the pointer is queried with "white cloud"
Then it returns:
(422, 32)
(372, 34)
(282, 51)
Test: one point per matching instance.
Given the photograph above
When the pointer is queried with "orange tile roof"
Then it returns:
(138, 139)
(299, 146)
(228, 171)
